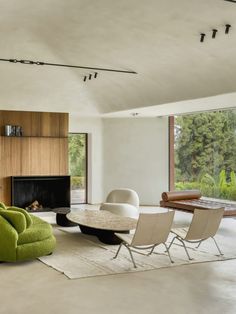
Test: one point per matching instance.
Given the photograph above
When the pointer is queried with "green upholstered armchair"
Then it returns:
(23, 236)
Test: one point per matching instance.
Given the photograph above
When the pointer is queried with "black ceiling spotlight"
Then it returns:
(214, 31)
(202, 36)
(227, 27)
(234, 1)
(90, 76)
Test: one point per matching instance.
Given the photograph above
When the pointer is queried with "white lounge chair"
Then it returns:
(151, 230)
(204, 225)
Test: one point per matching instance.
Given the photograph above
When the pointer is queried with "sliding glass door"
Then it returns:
(78, 167)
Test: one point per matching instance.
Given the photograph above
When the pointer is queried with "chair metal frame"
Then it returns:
(152, 247)
(133, 248)
(199, 242)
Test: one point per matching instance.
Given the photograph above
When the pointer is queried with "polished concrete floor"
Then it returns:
(32, 287)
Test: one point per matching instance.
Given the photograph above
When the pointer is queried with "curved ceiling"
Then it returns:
(160, 39)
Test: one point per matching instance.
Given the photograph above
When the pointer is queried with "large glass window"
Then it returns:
(78, 167)
(205, 153)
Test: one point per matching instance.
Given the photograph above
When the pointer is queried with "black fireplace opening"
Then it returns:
(40, 193)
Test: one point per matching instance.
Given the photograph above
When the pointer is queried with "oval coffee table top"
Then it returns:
(102, 219)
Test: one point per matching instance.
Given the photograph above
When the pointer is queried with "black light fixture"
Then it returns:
(234, 1)
(90, 76)
(227, 27)
(202, 36)
(214, 31)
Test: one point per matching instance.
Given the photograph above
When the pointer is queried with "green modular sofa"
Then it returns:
(23, 236)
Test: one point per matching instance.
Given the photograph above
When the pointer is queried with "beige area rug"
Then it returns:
(80, 256)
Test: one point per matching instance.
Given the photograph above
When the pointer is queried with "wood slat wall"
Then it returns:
(43, 149)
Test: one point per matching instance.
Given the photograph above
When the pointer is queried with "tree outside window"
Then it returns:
(205, 153)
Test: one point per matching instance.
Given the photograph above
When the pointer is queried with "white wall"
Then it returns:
(136, 156)
(92, 126)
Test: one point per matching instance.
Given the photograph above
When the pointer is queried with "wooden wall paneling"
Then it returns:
(7, 166)
(54, 156)
(44, 155)
(24, 121)
(45, 124)
(1, 190)
(35, 124)
(15, 154)
(1, 123)
(35, 162)
(63, 156)
(11, 164)
(21, 118)
(10, 117)
(6, 190)
(55, 124)
(64, 124)
(26, 158)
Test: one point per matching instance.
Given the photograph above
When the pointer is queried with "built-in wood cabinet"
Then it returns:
(42, 150)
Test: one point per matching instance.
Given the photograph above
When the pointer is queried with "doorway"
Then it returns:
(78, 143)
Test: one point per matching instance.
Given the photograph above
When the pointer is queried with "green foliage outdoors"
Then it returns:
(77, 160)
(77, 182)
(205, 151)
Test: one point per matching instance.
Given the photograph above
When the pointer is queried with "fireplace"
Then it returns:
(49, 191)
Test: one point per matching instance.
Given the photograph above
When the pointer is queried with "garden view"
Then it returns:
(205, 153)
(77, 166)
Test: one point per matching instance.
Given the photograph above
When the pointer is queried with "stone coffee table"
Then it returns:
(102, 224)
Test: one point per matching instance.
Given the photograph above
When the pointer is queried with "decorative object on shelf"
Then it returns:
(8, 130)
(18, 130)
(89, 76)
(13, 130)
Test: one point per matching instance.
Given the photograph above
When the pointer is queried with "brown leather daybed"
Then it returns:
(188, 200)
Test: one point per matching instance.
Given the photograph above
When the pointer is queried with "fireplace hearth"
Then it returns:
(49, 191)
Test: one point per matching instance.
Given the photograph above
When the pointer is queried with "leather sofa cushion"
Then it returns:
(181, 195)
